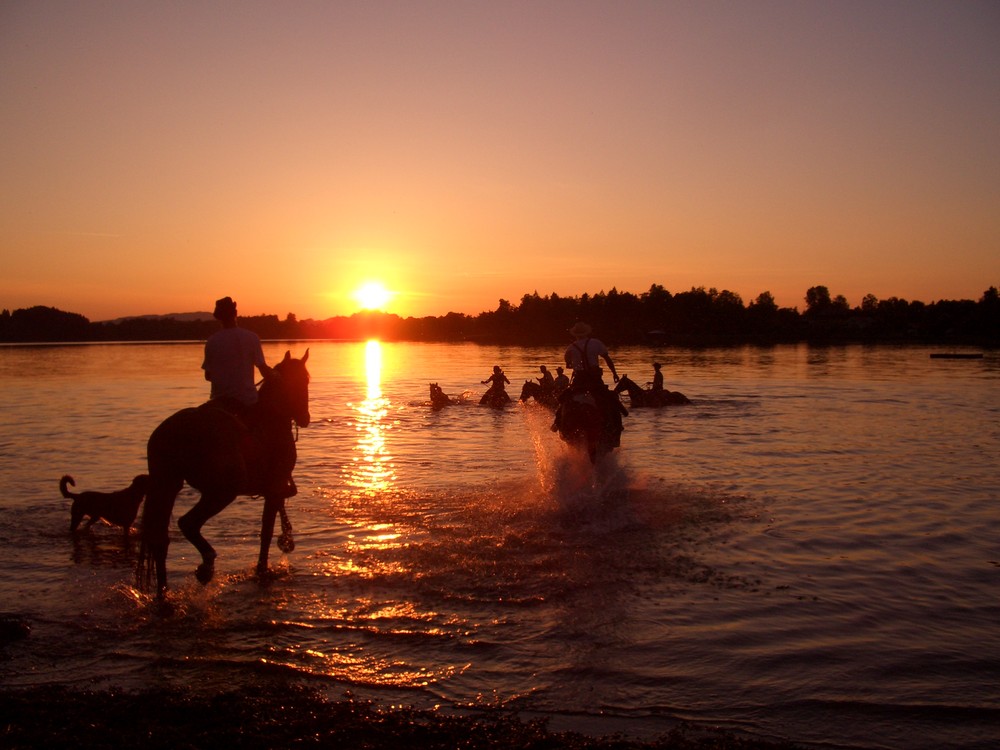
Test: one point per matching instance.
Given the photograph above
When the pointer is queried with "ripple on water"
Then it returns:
(811, 538)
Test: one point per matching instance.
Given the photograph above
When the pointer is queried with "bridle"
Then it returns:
(295, 422)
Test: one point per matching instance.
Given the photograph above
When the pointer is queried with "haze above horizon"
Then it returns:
(448, 154)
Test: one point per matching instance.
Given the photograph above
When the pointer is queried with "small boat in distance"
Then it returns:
(955, 355)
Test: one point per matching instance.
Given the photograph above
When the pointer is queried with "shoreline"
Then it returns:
(283, 716)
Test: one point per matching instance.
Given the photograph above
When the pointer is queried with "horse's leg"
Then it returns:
(210, 504)
(286, 542)
(271, 508)
(156, 531)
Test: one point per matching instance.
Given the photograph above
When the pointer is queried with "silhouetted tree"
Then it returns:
(767, 323)
(818, 300)
(41, 323)
(988, 316)
(765, 303)
(696, 317)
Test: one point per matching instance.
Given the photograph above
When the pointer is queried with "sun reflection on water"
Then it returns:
(376, 546)
(352, 664)
(371, 469)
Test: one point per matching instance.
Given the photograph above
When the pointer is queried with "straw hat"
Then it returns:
(580, 329)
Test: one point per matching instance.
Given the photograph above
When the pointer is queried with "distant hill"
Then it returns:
(188, 317)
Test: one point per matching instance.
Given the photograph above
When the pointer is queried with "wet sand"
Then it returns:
(290, 716)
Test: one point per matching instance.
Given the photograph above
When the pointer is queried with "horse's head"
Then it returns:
(526, 390)
(289, 392)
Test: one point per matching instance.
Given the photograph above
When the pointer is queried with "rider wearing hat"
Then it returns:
(582, 357)
(230, 358)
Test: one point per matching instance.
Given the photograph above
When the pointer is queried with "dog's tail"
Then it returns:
(66, 480)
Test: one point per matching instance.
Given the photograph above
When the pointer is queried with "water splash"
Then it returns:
(584, 494)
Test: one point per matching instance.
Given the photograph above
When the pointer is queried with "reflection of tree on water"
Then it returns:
(371, 469)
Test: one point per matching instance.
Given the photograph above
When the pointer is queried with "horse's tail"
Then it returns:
(144, 567)
(156, 532)
(63, 486)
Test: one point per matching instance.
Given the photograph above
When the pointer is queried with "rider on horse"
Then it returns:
(230, 357)
(561, 382)
(547, 382)
(657, 381)
(497, 393)
(582, 357)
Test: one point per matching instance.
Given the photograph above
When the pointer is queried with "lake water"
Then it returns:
(810, 550)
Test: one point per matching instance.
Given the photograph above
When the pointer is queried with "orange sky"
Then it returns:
(156, 156)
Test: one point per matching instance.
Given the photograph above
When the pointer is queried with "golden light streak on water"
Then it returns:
(371, 470)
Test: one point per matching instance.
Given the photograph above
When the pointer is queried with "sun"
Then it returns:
(372, 295)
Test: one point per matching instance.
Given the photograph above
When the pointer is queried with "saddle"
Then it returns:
(272, 455)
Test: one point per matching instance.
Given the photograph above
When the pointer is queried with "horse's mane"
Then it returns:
(286, 364)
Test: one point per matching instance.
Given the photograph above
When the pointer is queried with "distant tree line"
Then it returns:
(699, 317)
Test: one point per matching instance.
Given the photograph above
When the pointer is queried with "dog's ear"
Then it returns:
(288, 356)
(305, 357)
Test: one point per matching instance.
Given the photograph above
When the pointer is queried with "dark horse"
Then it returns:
(534, 390)
(639, 396)
(217, 454)
(496, 398)
(585, 418)
(438, 397)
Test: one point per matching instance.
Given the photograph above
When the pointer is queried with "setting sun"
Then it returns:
(372, 295)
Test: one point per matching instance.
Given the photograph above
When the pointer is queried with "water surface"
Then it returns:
(808, 551)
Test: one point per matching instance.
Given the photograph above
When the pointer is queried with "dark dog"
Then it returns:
(119, 508)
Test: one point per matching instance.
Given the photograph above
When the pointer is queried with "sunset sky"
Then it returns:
(157, 155)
